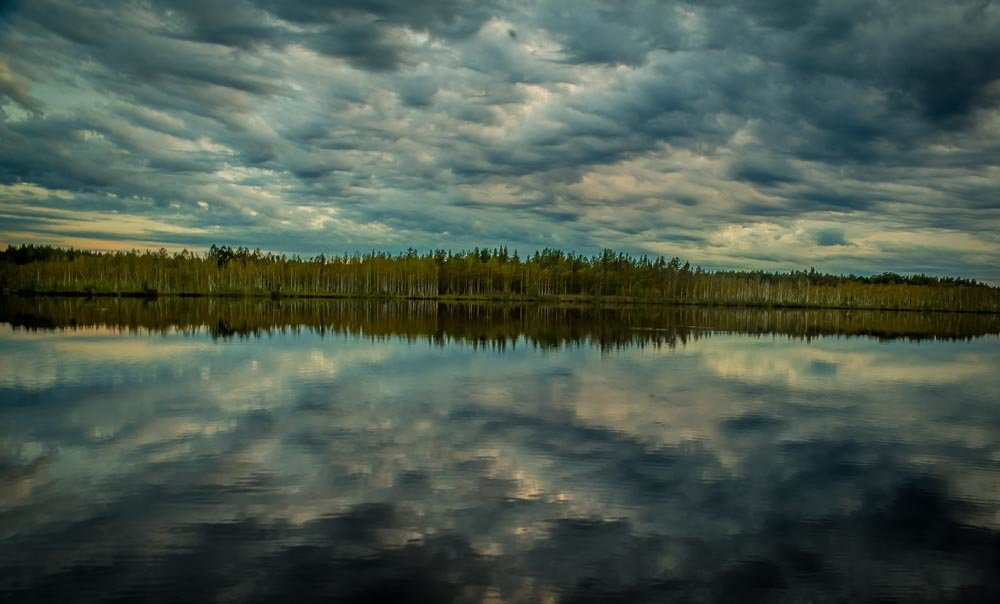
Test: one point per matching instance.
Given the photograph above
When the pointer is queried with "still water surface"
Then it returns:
(416, 452)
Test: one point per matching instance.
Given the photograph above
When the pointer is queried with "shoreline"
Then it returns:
(585, 300)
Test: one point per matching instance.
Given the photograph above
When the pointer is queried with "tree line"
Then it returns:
(482, 273)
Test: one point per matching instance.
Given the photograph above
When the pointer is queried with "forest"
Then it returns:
(481, 274)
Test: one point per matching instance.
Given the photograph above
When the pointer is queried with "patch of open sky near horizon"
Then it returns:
(846, 135)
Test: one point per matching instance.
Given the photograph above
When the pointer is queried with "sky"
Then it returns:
(852, 136)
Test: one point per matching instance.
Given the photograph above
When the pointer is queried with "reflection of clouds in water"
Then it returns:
(645, 470)
(37, 360)
(100, 427)
(821, 361)
(21, 472)
(328, 363)
(940, 393)
(116, 350)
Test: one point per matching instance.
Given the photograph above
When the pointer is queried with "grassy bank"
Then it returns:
(597, 300)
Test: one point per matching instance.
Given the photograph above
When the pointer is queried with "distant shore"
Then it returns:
(482, 274)
(601, 301)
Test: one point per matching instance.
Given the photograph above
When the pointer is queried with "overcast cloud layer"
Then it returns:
(849, 135)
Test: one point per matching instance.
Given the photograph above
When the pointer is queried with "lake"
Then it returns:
(335, 450)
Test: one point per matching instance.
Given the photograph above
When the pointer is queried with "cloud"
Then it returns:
(640, 127)
(16, 90)
(830, 237)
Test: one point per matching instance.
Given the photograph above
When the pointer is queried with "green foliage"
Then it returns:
(482, 273)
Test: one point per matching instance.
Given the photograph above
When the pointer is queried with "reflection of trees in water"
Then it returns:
(490, 325)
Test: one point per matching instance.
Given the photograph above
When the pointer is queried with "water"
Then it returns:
(261, 451)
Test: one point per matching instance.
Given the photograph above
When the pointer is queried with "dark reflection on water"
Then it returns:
(492, 324)
(366, 452)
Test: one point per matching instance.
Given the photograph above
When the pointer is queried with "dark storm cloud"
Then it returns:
(598, 31)
(371, 35)
(16, 90)
(828, 237)
(445, 18)
(364, 44)
(386, 112)
(764, 171)
(933, 60)
(224, 22)
(143, 53)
